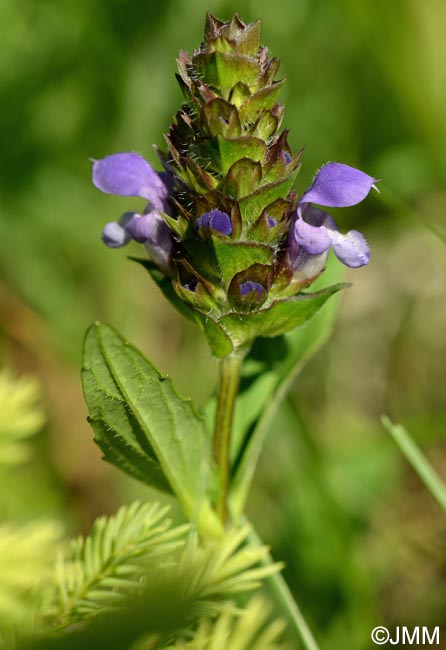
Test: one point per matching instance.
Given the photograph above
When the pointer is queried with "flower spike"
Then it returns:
(233, 244)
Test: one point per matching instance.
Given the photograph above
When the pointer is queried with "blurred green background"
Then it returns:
(367, 87)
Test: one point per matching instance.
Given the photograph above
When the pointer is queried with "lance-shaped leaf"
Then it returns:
(148, 424)
(116, 430)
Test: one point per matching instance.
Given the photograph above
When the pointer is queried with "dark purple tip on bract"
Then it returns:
(249, 286)
(217, 220)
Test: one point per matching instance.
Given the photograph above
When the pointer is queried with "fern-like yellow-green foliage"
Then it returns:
(247, 629)
(27, 551)
(21, 416)
(101, 570)
(215, 571)
(27, 555)
(137, 551)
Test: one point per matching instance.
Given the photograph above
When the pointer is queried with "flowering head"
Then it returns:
(229, 241)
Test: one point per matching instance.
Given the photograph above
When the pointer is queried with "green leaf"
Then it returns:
(238, 330)
(132, 406)
(116, 430)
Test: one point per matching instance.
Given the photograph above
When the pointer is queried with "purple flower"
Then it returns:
(336, 186)
(217, 220)
(309, 266)
(150, 229)
(128, 174)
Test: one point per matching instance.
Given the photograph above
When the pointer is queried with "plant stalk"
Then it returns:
(230, 368)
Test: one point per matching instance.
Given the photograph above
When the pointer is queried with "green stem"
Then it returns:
(285, 602)
(230, 368)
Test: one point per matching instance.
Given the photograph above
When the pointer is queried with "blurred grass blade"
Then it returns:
(284, 600)
(396, 204)
(418, 461)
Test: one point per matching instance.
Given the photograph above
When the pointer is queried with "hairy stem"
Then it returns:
(230, 368)
(285, 602)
